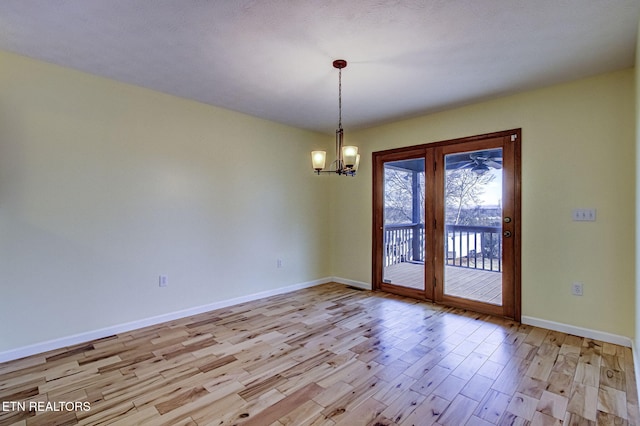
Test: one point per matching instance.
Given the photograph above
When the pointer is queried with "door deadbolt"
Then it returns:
(507, 234)
(507, 220)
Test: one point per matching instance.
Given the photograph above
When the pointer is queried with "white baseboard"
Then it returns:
(636, 364)
(88, 336)
(352, 283)
(75, 339)
(579, 331)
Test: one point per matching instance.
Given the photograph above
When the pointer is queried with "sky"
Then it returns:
(493, 191)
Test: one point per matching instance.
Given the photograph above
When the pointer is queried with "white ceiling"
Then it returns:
(272, 58)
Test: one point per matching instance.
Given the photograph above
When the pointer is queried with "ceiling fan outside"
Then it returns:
(478, 161)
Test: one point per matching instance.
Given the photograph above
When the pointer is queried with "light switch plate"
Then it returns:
(584, 215)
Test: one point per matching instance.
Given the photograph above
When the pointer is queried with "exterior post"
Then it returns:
(415, 215)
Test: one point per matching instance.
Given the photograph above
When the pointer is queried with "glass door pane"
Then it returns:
(404, 217)
(473, 225)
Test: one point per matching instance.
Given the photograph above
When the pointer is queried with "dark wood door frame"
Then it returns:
(512, 207)
(379, 158)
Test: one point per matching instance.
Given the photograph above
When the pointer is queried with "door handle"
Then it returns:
(507, 234)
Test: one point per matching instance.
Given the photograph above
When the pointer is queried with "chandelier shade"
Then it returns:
(318, 159)
(349, 154)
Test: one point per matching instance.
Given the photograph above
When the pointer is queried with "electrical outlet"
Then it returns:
(576, 289)
(163, 281)
(279, 263)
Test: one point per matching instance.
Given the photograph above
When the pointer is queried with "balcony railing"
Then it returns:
(401, 244)
(475, 247)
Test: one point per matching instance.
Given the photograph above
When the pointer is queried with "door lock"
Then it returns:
(507, 220)
(507, 234)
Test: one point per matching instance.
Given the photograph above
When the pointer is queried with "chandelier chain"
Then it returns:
(340, 98)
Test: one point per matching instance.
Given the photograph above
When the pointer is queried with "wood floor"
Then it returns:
(468, 283)
(324, 356)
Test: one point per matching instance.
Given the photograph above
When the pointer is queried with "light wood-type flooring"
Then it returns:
(329, 355)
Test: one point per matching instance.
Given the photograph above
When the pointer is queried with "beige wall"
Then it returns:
(577, 152)
(105, 186)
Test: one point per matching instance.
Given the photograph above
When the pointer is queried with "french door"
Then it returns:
(446, 222)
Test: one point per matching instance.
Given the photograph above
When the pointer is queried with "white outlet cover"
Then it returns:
(163, 280)
(577, 289)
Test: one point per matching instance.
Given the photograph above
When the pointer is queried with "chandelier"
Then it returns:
(347, 157)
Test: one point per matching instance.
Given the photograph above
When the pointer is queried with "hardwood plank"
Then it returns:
(471, 364)
(540, 367)
(180, 399)
(477, 387)
(285, 406)
(428, 412)
(208, 409)
(306, 413)
(404, 404)
(541, 419)
(147, 415)
(553, 405)
(522, 406)
(450, 387)
(612, 401)
(391, 389)
(583, 401)
(432, 379)
(458, 412)
(333, 393)
(363, 414)
(337, 410)
(493, 406)
(532, 387)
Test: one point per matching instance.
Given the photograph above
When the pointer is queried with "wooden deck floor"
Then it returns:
(475, 284)
(327, 355)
